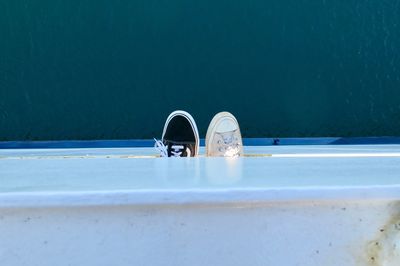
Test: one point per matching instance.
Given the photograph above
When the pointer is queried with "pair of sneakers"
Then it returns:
(180, 137)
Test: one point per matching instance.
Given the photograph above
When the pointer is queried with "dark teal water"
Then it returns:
(101, 69)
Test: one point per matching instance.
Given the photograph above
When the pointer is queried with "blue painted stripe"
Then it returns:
(287, 141)
(76, 144)
(150, 143)
(367, 140)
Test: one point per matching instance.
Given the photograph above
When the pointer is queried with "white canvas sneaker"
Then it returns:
(223, 136)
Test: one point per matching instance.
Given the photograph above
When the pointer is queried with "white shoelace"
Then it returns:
(176, 149)
(230, 145)
(159, 145)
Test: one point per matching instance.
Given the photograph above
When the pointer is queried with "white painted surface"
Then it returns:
(109, 209)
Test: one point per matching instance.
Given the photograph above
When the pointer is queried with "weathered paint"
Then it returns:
(385, 249)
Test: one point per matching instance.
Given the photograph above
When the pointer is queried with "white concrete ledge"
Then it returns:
(111, 209)
(111, 177)
(188, 196)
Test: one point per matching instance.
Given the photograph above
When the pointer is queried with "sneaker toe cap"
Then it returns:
(226, 125)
